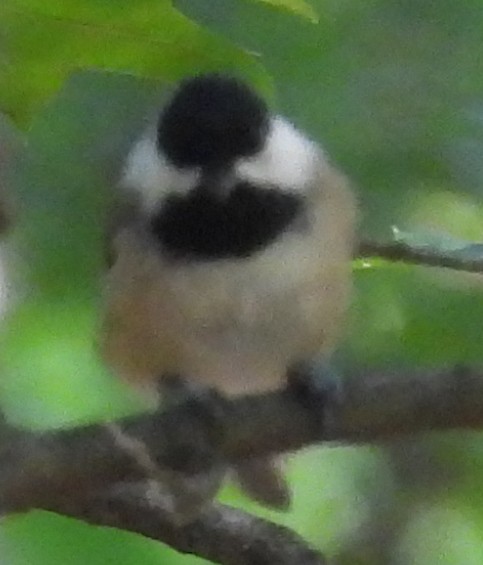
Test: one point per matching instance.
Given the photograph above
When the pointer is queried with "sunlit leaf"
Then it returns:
(297, 6)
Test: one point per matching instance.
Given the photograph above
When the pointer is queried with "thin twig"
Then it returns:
(468, 258)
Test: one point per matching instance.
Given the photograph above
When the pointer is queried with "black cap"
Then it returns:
(212, 120)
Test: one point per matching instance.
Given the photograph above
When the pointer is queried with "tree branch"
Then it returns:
(220, 534)
(38, 468)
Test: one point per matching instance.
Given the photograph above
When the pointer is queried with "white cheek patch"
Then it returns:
(148, 173)
(288, 160)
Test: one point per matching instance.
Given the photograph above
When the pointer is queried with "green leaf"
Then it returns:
(413, 317)
(52, 373)
(44, 41)
(299, 7)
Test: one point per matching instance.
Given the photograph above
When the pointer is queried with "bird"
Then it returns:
(229, 255)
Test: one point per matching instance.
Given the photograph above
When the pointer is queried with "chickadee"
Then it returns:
(231, 263)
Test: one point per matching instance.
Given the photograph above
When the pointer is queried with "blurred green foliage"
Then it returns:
(394, 89)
